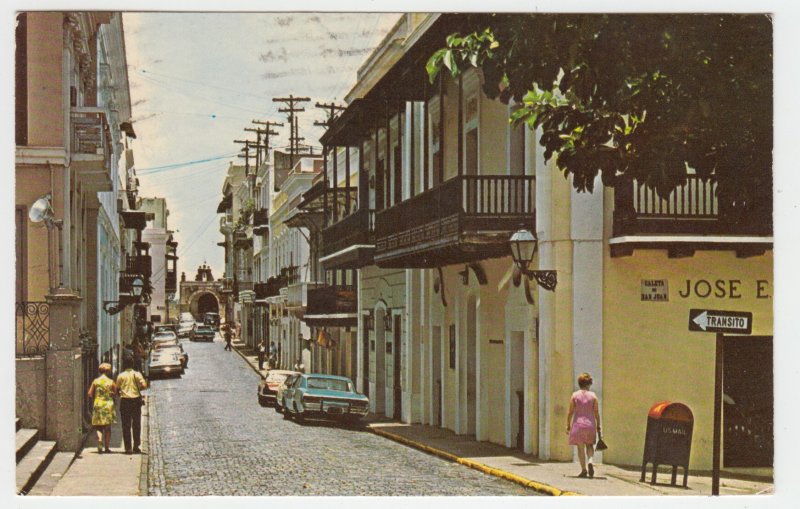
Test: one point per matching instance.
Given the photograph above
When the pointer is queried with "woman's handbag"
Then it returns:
(601, 446)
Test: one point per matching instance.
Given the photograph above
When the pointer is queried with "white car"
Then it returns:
(164, 336)
(165, 361)
(185, 327)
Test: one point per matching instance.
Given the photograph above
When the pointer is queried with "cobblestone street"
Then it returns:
(209, 436)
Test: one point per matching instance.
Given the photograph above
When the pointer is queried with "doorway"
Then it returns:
(398, 368)
(365, 358)
(748, 410)
(436, 375)
(471, 358)
(516, 396)
(380, 360)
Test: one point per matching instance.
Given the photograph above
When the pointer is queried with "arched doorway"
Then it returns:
(205, 302)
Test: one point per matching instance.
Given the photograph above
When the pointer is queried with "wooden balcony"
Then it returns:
(331, 306)
(349, 243)
(464, 219)
(689, 218)
(90, 147)
(271, 288)
(171, 281)
(260, 222)
(141, 264)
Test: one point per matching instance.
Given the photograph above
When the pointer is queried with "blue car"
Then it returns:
(317, 395)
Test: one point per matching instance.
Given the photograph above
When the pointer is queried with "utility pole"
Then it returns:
(294, 137)
(246, 150)
(266, 132)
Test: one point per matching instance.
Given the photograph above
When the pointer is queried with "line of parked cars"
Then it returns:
(299, 395)
(167, 356)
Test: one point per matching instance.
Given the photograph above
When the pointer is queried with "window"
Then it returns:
(516, 142)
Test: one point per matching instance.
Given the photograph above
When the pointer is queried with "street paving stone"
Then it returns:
(209, 436)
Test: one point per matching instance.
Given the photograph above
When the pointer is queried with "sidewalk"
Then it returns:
(547, 477)
(108, 474)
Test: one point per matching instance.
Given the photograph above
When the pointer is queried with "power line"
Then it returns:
(187, 163)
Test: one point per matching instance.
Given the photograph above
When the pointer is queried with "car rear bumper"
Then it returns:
(334, 409)
(165, 370)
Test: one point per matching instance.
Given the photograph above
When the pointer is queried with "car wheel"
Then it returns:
(278, 408)
(286, 413)
(298, 415)
(262, 400)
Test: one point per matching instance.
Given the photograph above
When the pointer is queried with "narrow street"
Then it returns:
(209, 436)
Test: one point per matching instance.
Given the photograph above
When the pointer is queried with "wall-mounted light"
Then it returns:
(523, 248)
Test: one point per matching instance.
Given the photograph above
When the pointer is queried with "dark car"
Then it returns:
(268, 388)
(318, 395)
(212, 320)
(202, 333)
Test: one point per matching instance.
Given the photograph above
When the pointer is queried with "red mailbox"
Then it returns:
(669, 439)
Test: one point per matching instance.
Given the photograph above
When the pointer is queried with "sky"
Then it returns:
(198, 79)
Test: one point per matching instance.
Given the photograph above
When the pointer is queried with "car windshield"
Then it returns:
(163, 335)
(203, 328)
(331, 384)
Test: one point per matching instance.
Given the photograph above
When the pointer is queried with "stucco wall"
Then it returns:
(31, 378)
(649, 353)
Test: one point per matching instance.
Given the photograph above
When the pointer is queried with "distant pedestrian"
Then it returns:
(272, 355)
(584, 408)
(130, 384)
(262, 352)
(103, 390)
(299, 366)
(228, 339)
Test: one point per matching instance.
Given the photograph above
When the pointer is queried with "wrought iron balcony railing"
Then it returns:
(32, 328)
(140, 264)
(356, 229)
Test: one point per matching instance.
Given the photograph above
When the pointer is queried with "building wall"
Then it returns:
(649, 355)
(31, 381)
(45, 79)
(383, 290)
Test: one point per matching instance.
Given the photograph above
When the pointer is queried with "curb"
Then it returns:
(144, 468)
(254, 368)
(536, 486)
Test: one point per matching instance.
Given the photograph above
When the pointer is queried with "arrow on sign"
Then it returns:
(702, 320)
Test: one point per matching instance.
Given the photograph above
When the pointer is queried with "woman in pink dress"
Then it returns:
(583, 420)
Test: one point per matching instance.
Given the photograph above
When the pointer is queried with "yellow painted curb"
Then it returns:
(536, 486)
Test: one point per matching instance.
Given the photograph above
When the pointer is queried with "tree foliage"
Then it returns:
(634, 96)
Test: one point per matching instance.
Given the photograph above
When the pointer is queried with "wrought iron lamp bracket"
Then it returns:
(547, 279)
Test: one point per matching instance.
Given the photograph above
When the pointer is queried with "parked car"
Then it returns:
(164, 336)
(212, 320)
(281, 389)
(202, 333)
(164, 327)
(184, 357)
(318, 395)
(185, 326)
(268, 388)
(165, 362)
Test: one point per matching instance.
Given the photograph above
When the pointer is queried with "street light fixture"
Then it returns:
(42, 211)
(137, 285)
(523, 248)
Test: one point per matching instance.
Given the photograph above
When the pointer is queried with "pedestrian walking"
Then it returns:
(299, 366)
(583, 420)
(262, 352)
(130, 384)
(273, 361)
(103, 390)
(228, 339)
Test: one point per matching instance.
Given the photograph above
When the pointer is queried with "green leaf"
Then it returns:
(449, 60)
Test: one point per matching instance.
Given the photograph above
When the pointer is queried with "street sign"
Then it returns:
(725, 322)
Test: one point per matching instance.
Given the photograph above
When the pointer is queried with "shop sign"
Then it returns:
(655, 290)
(724, 322)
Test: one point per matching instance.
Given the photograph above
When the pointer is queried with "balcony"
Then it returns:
(331, 306)
(349, 243)
(226, 224)
(464, 219)
(260, 222)
(140, 264)
(241, 240)
(271, 288)
(689, 218)
(227, 285)
(171, 282)
(90, 148)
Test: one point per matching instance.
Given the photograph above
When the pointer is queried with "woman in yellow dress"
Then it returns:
(103, 390)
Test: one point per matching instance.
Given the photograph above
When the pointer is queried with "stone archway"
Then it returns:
(202, 302)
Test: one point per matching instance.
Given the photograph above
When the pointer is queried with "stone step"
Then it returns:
(25, 439)
(18, 422)
(33, 464)
(53, 473)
